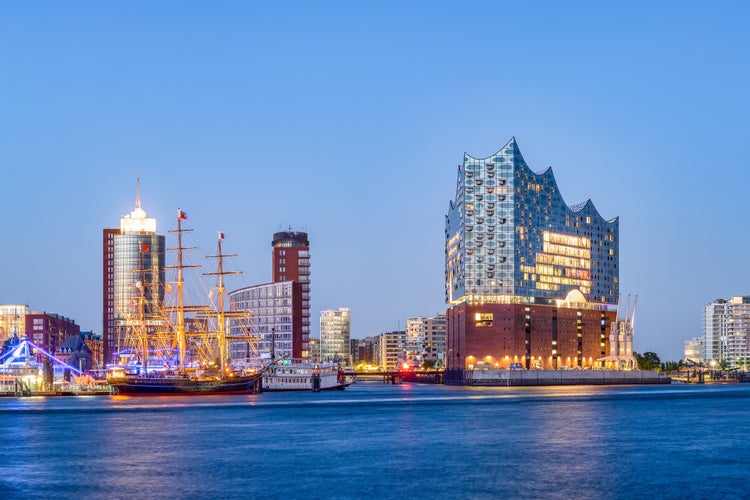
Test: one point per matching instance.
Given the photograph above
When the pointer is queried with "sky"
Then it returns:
(348, 120)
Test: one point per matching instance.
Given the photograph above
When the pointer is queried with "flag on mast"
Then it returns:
(144, 247)
(181, 214)
(220, 235)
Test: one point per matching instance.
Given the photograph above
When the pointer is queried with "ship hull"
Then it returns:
(177, 386)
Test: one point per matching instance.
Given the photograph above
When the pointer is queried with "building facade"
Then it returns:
(335, 335)
(529, 280)
(694, 350)
(46, 330)
(434, 346)
(425, 341)
(391, 347)
(279, 311)
(274, 313)
(12, 321)
(726, 331)
(291, 262)
(364, 351)
(133, 265)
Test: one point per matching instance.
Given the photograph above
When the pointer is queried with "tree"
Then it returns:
(648, 361)
(670, 366)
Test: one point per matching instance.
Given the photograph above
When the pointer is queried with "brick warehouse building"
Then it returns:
(530, 281)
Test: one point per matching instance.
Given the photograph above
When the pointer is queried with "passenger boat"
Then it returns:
(209, 340)
(300, 375)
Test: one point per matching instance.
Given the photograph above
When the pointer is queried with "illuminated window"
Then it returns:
(483, 319)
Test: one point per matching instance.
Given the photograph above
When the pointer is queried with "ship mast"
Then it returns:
(141, 299)
(221, 314)
(180, 331)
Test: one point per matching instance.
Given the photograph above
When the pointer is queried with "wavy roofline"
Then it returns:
(575, 208)
(512, 140)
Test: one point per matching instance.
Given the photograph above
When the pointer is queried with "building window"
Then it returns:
(483, 319)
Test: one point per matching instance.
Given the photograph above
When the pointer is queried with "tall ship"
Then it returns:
(181, 348)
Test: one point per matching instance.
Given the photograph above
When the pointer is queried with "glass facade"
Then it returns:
(133, 267)
(335, 335)
(510, 237)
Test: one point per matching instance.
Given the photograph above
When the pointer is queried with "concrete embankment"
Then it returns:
(552, 377)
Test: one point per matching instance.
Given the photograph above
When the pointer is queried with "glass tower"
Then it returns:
(135, 260)
(335, 335)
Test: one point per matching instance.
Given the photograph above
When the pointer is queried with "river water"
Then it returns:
(384, 441)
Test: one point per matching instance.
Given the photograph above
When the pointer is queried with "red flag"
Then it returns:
(144, 247)
(181, 214)
(220, 235)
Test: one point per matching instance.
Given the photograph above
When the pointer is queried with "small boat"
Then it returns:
(300, 375)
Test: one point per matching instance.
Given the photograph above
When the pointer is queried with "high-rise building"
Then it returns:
(133, 263)
(280, 310)
(529, 280)
(291, 262)
(335, 335)
(726, 331)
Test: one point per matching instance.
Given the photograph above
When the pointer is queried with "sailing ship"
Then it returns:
(186, 329)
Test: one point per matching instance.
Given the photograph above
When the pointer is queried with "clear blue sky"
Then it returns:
(348, 120)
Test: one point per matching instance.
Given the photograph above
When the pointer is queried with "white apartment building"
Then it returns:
(726, 331)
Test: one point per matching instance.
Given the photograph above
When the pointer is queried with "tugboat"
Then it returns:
(217, 378)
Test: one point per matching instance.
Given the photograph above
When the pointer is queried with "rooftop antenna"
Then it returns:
(138, 190)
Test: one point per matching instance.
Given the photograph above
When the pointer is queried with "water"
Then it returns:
(376, 441)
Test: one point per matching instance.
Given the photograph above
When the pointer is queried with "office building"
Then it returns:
(133, 264)
(529, 280)
(335, 336)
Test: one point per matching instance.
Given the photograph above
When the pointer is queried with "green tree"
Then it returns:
(648, 361)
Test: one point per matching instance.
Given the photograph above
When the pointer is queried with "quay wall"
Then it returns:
(552, 377)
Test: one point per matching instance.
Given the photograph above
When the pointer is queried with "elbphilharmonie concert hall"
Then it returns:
(530, 281)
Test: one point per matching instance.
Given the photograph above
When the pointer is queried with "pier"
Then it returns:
(553, 377)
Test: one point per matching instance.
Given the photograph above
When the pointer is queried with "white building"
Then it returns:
(726, 331)
(270, 308)
(694, 349)
(335, 335)
(391, 349)
(425, 341)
